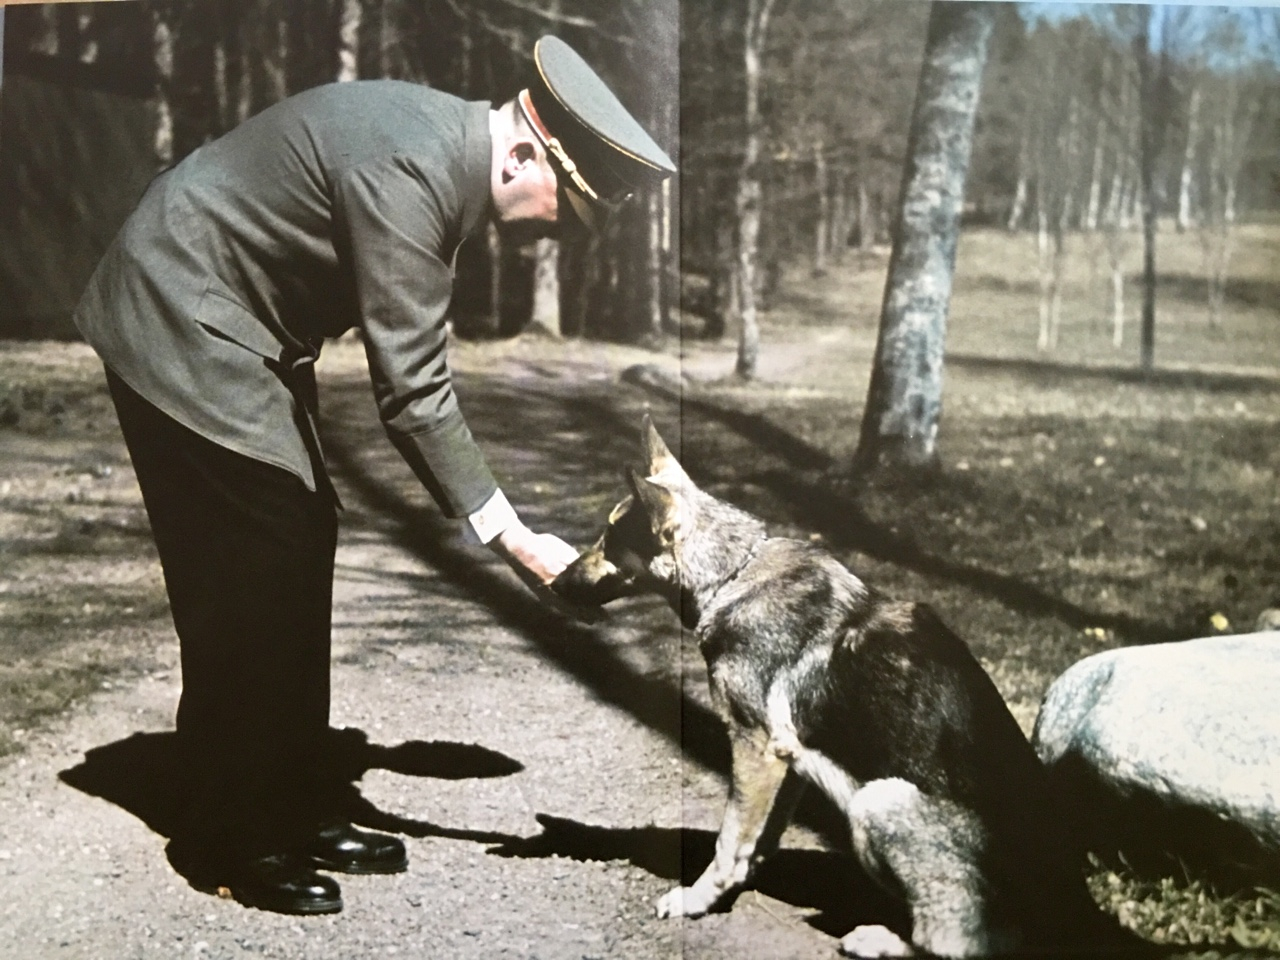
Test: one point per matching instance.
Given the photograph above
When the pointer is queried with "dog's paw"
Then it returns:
(873, 940)
(784, 743)
(682, 902)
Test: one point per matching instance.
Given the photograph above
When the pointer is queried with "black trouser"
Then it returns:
(248, 555)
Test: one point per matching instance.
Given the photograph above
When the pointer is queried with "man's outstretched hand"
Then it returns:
(537, 559)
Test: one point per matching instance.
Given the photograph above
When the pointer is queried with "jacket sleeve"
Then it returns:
(390, 227)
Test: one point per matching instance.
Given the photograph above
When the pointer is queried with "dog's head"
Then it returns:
(635, 552)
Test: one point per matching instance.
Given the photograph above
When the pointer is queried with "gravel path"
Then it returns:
(456, 678)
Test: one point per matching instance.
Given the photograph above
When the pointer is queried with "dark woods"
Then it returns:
(789, 119)
(98, 97)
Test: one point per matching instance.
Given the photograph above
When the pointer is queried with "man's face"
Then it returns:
(525, 193)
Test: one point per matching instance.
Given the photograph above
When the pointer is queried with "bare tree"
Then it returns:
(1153, 73)
(904, 403)
(546, 287)
(349, 15)
(822, 229)
(749, 193)
(162, 34)
(1236, 114)
(1185, 182)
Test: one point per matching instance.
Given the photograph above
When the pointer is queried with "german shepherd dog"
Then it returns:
(872, 700)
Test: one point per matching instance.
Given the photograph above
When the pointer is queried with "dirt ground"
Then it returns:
(553, 779)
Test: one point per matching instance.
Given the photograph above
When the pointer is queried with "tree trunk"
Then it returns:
(1185, 219)
(545, 314)
(823, 231)
(1148, 149)
(1093, 211)
(866, 220)
(1117, 304)
(749, 190)
(1018, 209)
(668, 266)
(245, 99)
(837, 238)
(348, 40)
(649, 279)
(904, 403)
(276, 59)
(724, 313)
(162, 34)
(495, 275)
(1045, 271)
(1114, 213)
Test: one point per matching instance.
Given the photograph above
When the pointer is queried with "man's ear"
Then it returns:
(521, 153)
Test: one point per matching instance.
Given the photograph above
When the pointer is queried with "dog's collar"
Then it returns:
(751, 555)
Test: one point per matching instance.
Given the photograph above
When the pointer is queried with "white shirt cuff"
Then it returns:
(491, 519)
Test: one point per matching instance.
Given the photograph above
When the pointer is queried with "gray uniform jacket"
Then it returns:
(341, 206)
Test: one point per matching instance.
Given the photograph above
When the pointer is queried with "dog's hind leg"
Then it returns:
(930, 850)
(754, 818)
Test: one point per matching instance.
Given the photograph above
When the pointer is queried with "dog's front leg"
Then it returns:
(749, 830)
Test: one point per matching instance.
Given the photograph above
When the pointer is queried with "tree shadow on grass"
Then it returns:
(844, 524)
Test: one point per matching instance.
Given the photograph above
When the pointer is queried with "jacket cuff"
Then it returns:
(491, 520)
(449, 464)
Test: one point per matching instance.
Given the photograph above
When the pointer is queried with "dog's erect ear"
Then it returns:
(620, 511)
(657, 456)
(658, 503)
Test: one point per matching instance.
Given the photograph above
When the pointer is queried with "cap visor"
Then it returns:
(586, 213)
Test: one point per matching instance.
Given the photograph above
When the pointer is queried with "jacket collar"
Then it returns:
(477, 200)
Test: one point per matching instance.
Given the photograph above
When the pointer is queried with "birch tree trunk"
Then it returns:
(750, 191)
(162, 39)
(1019, 207)
(1148, 148)
(904, 403)
(348, 40)
(822, 233)
(1093, 210)
(545, 315)
(866, 221)
(1045, 270)
(839, 211)
(1185, 220)
(275, 63)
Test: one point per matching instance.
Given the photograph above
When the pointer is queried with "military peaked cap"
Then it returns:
(601, 155)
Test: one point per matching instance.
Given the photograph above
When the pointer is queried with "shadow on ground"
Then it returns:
(142, 773)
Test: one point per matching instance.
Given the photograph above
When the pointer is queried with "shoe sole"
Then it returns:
(360, 869)
(295, 909)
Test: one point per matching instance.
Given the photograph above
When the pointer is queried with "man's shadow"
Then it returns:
(143, 775)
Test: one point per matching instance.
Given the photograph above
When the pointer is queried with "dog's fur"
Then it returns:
(874, 701)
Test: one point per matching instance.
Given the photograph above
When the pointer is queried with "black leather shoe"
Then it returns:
(283, 883)
(345, 849)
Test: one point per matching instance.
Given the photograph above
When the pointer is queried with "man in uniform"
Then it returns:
(341, 206)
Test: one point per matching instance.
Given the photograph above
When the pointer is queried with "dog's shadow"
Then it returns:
(832, 884)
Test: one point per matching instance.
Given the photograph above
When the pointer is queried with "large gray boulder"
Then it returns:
(1172, 751)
